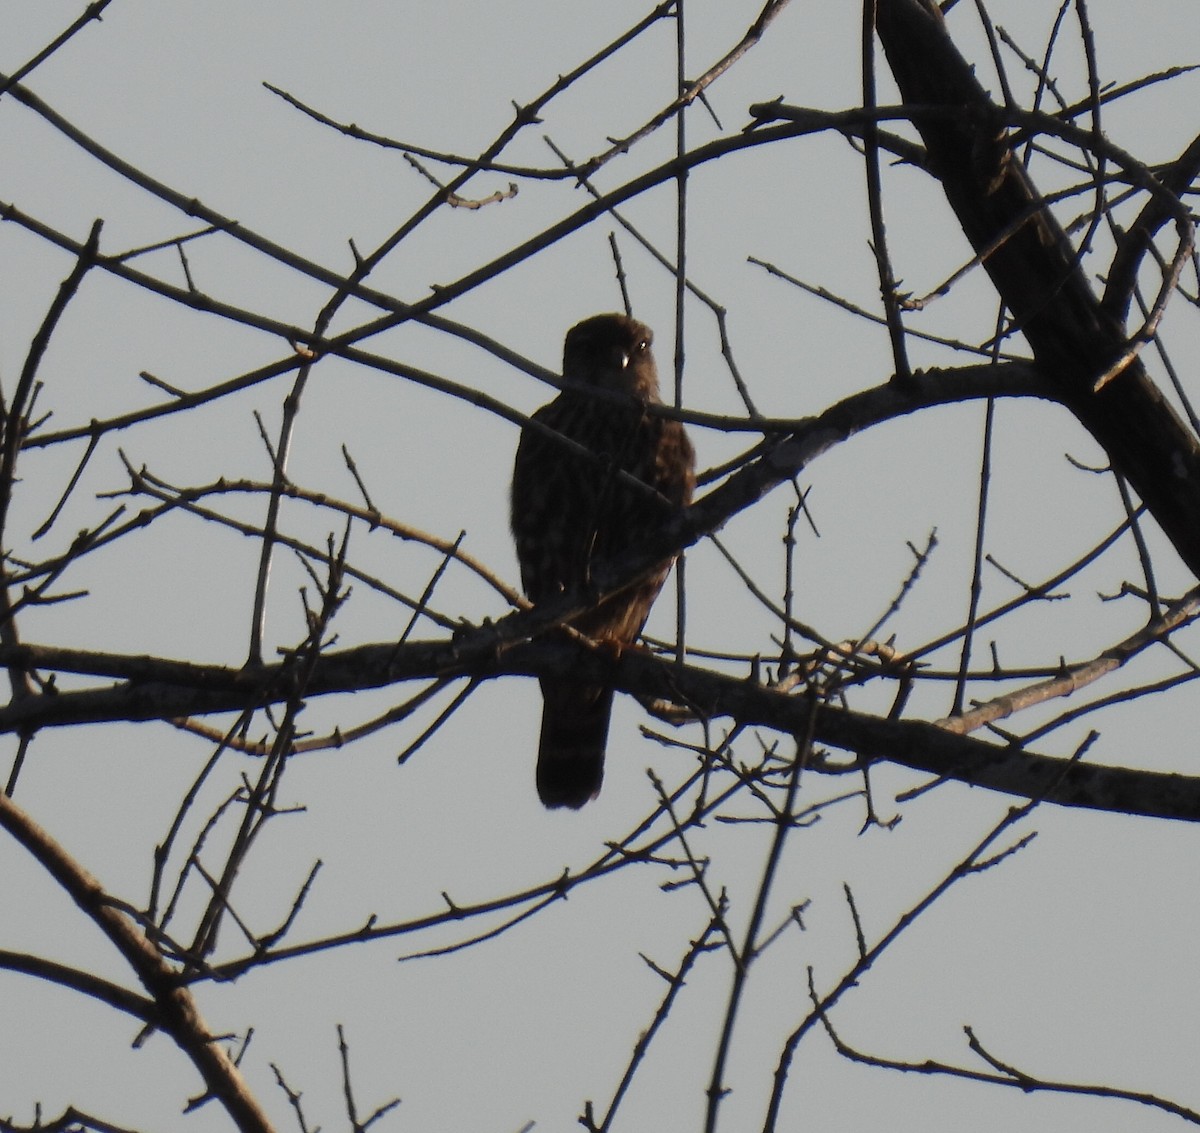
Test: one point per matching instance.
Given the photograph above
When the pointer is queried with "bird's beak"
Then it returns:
(622, 359)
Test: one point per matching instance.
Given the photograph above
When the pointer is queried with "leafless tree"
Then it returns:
(899, 623)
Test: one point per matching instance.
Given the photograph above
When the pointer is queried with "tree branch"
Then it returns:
(1077, 342)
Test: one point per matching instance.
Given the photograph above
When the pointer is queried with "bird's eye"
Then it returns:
(643, 344)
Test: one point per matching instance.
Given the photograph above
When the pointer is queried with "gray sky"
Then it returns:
(1073, 960)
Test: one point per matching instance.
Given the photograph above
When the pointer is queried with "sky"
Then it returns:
(1072, 959)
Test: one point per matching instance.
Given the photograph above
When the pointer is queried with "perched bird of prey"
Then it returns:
(570, 511)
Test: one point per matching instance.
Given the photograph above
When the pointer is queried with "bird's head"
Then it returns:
(612, 352)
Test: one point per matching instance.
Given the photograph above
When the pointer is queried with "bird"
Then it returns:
(570, 511)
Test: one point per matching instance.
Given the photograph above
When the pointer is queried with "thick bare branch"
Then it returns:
(1076, 341)
(175, 1009)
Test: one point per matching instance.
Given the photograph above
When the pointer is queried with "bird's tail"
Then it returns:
(570, 764)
